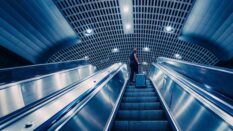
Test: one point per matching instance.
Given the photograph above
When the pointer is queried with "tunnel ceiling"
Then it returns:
(33, 29)
(210, 23)
(150, 20)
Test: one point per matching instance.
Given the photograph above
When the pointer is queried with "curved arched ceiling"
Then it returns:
(34, 29)
(149, 19)
(210, 24)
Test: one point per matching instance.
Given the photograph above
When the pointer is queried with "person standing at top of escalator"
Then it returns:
(133, 61)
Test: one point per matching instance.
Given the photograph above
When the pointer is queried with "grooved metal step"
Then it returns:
(140, 90)
(140, 115)
(141, 125)
(139, 94)
(140, 99)
(140, 109)
(140, 106)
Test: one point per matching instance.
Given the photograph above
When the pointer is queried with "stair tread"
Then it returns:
(139, 99)
(140, 115)
(141, 126)
(140, 109)
(138, 94)
(142, 106)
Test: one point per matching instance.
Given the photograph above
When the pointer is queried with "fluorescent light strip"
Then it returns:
(126, 9)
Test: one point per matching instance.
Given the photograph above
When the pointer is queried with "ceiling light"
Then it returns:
(144, 63)
(177, 56)
(169, 29)
(86, 57)
(126, 10)
(115, 50)
(146, 49)
(88, 32)
(128, 26)
(79, 41)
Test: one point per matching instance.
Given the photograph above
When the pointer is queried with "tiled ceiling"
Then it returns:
(149, 19)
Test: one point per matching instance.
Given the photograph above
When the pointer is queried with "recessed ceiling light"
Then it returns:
(88, 32)
(169, 29)
(115, 50)
(144, 72)
(128, 26)
(177, 56)
(146, 49)
(144, 63)
(126, 9)
(86, 57)
(79, 41)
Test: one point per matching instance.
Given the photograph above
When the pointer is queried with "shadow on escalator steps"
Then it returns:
(140, 109)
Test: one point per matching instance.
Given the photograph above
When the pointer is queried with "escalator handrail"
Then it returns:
(219, 107)
(207, 76)
(115, 109)
(42, 100)
(173, 122)
(208, 67)
(53, 63)
(108, 72)
(88, 97)
(40, 77)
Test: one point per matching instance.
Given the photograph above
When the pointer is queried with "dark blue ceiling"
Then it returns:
(210, 24)
(34, 29)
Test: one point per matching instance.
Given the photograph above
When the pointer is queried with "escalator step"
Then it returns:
(139, 90)
(141, 126)
(139, 99)
(140, 115)
(133, 87)
(140, 106)
(139, 94)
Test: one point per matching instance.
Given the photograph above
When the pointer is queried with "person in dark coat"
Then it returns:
(133, 62)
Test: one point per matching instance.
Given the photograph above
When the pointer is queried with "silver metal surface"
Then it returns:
(188, 109)
(57, 104)
(96, 112)
(16, 74)
(213, 78)
(18, 95)
(215, 84)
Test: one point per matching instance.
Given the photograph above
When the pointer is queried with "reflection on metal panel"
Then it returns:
(12, 96)
(20, 95)
(94, 115)
(9, 75)
(76, 97)
(207, 75)
(187, 108)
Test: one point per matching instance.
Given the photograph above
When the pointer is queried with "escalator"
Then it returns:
(104, 101)
(140, 109)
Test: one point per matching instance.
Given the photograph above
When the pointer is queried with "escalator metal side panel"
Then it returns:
(50, 108)
(188, 112)
(96, 113)
(9, 75)
(21, 95)
(207, 76)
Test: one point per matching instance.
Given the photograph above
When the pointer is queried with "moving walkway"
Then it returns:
(174, 99)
